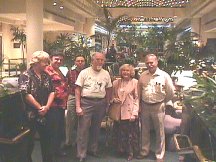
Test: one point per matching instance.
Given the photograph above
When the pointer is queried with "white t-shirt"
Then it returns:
(93, 83)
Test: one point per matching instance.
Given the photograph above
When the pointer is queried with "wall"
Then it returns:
(9, 51)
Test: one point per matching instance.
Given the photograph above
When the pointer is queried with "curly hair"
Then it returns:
(132, 70)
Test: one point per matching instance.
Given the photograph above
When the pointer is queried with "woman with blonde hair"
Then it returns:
(37, 88)
(126, 131)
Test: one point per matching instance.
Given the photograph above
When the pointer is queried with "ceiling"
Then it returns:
(177, 14)
(142, 3)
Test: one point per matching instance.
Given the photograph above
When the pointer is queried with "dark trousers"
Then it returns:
(44, 141)
(56, 128)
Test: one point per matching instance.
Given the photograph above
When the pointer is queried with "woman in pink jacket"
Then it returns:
(126, 131)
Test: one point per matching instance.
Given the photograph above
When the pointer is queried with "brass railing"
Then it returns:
(184, 146)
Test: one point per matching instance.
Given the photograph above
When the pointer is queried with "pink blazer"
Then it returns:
(128, 96)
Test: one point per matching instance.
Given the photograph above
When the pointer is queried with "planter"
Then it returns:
(202, 128)
(13, 130)
(182, 142)
(186, 150)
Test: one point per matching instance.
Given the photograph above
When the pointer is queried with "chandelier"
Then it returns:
(142, 3)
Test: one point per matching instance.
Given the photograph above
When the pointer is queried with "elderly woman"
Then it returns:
(37, 87)
(126, 130)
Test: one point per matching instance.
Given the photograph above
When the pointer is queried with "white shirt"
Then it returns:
(156, 87)
(94, 83)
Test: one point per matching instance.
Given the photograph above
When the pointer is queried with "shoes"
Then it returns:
(141, 156)
(81, 159)
(95, 154)
(130, 157)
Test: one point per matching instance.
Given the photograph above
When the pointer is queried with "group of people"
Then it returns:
(86, 93)
(145, 99)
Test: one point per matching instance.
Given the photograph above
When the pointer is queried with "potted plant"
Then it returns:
(70, 47)
(111, 24)
(206, 86)
(20, 36)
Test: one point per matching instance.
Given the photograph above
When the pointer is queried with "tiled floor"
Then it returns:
(107, 154)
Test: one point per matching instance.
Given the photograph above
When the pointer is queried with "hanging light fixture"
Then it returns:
(54, 3)
(142, 3)
(58, 3)
(61, 5)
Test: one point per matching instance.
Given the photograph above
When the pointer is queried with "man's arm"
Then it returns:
(139, 90)
(169, 89)
(79, 110)
(108, 94)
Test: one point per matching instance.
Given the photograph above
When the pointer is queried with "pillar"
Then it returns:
(89, 26)
(34, 26)
(89, 29)
(197, 27)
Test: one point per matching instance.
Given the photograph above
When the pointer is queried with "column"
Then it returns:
(196, 26)
(89, 29)
(34, 26)
(89, 26)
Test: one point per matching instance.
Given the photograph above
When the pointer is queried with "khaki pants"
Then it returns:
(89, 125)
(155, 113)
(70, 121)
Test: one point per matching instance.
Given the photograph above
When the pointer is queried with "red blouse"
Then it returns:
(61, 87)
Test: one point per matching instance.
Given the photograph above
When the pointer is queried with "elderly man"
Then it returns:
(92, 95)
(155, 89)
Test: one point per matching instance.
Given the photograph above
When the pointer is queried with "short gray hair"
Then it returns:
(151, 55)
(93, 55)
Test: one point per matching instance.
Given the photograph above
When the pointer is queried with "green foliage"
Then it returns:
(155, 38)
(127, 38)
(111, 23)
(175, 46)
(3, 90)
(70, 46)
(19, 36)
(208, 87)
(22, 67)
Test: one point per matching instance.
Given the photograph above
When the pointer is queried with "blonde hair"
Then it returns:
(131, 68)
(39, 56)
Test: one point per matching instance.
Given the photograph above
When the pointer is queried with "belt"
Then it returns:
(155, 103)
(92, 98)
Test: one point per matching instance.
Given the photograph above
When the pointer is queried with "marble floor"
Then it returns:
(107, 153)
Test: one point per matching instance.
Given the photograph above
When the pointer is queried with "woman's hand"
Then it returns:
(43, 110)
(116, 100)
(132, 118)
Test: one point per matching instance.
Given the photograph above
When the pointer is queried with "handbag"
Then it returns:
(115, 111)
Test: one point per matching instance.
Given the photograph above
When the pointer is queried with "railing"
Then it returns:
(187, 151)
(11, 66)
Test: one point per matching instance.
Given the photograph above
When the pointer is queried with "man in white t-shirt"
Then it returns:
(92, 95)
